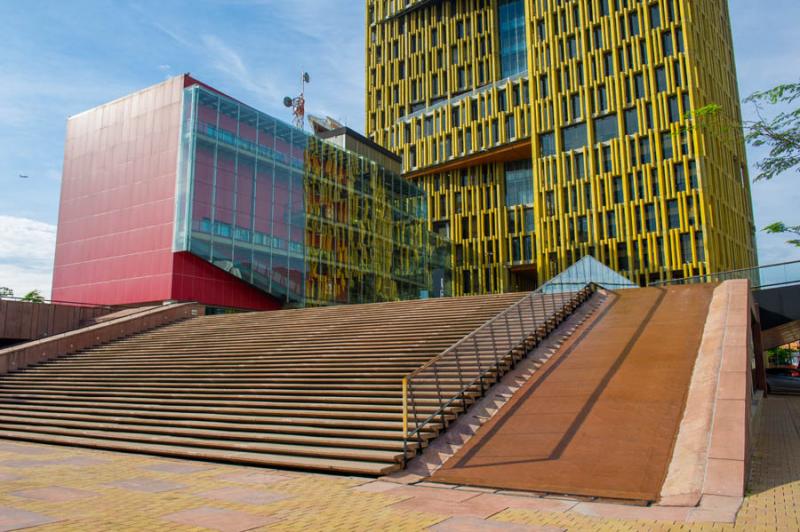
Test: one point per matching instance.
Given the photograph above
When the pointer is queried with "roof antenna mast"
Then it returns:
(298, 103)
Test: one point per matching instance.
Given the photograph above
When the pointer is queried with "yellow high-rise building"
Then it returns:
(546, 130)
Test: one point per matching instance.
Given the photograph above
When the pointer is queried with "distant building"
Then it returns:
(179, 192)
(547, 131)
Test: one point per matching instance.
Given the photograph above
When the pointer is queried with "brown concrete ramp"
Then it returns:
(601, 417)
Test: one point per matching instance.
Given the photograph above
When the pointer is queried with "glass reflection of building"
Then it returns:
(296, 216)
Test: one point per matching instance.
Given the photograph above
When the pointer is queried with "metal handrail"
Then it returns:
(709, 277)
(535, 301)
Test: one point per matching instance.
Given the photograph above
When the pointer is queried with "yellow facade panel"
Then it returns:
(603, 91)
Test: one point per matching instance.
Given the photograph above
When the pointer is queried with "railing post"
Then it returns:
(494, 347)
(478, 359)
(405, 410)
(460, 378)
(439, 393)
(417, 428)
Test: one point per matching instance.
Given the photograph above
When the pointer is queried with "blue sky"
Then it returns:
(60, 58)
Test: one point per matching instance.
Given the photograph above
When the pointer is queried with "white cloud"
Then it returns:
(228, 61)
(27, 249)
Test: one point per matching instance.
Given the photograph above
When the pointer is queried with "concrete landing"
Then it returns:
(601, 417)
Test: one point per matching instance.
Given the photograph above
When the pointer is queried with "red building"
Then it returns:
(179, 192)
(117, 215)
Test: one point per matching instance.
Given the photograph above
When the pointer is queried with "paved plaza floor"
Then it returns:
(60, 488)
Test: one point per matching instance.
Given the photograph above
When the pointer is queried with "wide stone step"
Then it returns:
(317, 389)
(261, 436)
(228, 424)
(349, 424)
(331, 465)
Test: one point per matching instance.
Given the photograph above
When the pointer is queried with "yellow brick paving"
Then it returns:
(328, 502)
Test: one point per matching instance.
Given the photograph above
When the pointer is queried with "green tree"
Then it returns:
(780, 356)
(777, 128)
(780, 132)
(6, 292)
(34, 296)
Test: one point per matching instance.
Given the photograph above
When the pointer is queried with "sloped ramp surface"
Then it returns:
(601, 417)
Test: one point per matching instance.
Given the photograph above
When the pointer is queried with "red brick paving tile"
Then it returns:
(483, 505)
(724, 477)
(9, 447)
(474, 524)
(77, 461)
(698, 515)
(377, 486)
(621, 511)
(14, 519)
(450, 508)
(528, 503)
(244, 495)
(23, 463)
(178, 467)
(253, 477)
(150, 485)
(435, 494)
(55, 494)
(218, 519)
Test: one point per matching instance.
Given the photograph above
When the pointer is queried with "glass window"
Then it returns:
(529, 224)
(519, 182)
(673, 215)
(699, 246)
(686, 247)
(650, 217)
(634, 20)
(639, 82)
(631, 121)
(666, 40)
(575, 103)
(666, 145)
(655, 16)
(527, 248)
(606, 158)
(661, 79)
(693, 174)
(644, 150)
(580, 168)
(574, 137)
(547, 144)
(611, 224)
(606, 128)
(515, 250)
(680, 178)
(513, 46)
(674, 112)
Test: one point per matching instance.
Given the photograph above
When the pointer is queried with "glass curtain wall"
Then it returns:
(513, 44)
(297, 217)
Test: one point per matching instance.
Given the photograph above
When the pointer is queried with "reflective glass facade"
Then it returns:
(296, 216)
(513, 41)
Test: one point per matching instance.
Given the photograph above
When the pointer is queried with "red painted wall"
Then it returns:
(114, 243)
(195, 279)
(115, 227)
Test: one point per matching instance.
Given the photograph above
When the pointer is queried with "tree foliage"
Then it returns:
(779, 132)
(777, 128)
(6, 292)
(780, 356)
(34, 296)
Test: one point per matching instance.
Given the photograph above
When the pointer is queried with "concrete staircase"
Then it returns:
(313, 388)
